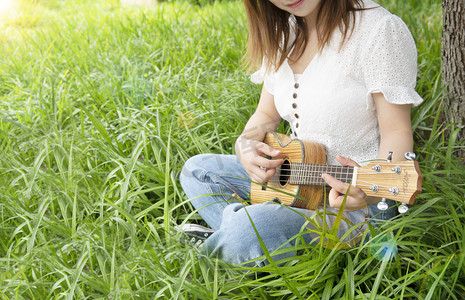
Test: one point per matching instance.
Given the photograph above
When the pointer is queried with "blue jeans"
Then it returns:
(210, 180)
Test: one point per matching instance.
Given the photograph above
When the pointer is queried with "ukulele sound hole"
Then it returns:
(285, 173)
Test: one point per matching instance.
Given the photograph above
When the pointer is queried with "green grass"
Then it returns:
(100, 105)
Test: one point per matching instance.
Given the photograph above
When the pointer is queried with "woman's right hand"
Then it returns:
(251, 154)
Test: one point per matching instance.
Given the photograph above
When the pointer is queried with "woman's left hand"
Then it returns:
(356, 198)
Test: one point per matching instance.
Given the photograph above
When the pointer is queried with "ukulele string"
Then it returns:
(315, 174)
(319, 180)
(311, 173)
(314, 177)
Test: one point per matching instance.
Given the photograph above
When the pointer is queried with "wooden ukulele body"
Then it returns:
(279, 189)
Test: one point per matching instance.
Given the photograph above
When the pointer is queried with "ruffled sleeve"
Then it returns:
(262, 76)
(390, 63)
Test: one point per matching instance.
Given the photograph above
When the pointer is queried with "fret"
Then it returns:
(315, 171)
(308, 170)
(348, 176)
(318, 174)
(292, 173)
(302, 173)
(306, 173)
(343, 174)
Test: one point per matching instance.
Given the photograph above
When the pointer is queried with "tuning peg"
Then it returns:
(403, 208)
(383, 205)
(389, 158)
(410, 155)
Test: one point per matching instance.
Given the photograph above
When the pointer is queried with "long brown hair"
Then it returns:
(270, 29)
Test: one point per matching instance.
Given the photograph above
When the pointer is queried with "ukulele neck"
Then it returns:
(310, 174)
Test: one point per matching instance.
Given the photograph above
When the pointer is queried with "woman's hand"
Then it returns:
(250, 153)
(356, 198)
(395, 135)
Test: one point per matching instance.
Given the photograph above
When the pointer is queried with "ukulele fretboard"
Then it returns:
(310, 174)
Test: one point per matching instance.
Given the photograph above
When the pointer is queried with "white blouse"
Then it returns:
(331, 102)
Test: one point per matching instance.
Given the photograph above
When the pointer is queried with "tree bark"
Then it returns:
(453, 62)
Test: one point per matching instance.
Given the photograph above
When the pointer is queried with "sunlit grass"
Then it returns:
(100, 105)
(7, 7)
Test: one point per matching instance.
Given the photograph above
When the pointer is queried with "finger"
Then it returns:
(343, 188)
(345, 161)
(259, 174)
(337, 185)
(333, 195)
(270, 173)
(268, 150)
(262, 174)
(334, 199)
(256, 178)
(350, 205)
(268, 163)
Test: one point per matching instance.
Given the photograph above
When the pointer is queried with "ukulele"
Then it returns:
(297, 182)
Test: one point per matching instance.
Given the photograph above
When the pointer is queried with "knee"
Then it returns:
(236, 244)
(238, 240)
(245, 231)
(201, 162)
(192, 168)
(203, 167)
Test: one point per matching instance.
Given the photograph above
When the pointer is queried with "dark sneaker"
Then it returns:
(195, 234)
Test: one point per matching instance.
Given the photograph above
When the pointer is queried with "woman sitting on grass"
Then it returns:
(342, 73)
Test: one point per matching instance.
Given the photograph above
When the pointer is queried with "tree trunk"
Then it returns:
(453, 63)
